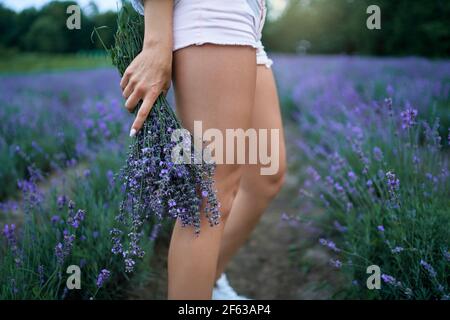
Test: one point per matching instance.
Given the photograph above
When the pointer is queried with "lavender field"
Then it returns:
(368, 174)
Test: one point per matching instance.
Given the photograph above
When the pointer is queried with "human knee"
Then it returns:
(228, 186)
(270, 185)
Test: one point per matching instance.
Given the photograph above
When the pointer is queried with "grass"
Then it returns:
(12, 63)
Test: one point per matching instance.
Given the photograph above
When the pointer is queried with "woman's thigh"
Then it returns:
(215, 84)
(267, 115)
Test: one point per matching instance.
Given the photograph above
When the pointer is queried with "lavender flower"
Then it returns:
(339, 227)
(55, 219)
(389, 279)
(446, 254)
(388, 104)
(103, 276)
(380, 228)
(59, 253)
(397, 250)
(336, 263)
(155, 231)
(61, 201)
(408, 117)
(9, 234)
(393, 181)
(377, 154)
(393, 185)
(75, 219)
(429, 268)
(63, 249)
(329, 244)
(41, 274)
(352, 176)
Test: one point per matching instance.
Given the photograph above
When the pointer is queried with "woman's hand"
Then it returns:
(145, 78)
(149, 73)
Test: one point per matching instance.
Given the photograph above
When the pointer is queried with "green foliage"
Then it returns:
(20, 275)
(19, 62)
(45, 30)
(317, 26)
(339, 26)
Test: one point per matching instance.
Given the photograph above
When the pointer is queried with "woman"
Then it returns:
(222, 77)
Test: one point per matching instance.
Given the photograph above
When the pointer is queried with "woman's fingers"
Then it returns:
(134, 98)
(144, 111)
(128, 90)
(125, 78)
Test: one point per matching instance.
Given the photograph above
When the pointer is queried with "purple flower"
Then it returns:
(429, 268)
(339, 227)
(380, 228)
(446, 254)
(393, 182)
(55, 219)
(408, 117)
(41, 274)
(103, 277)
(390, 90)
(377, 154)
(291, 220)
(330, 244)
(62, 250)
(389, 279)
(155, 231)
(352, 176)
(9, 233)
(110, 176)
(172, 203)
(336, 263)
(59, 253)
(397, 250)
(129, 265)
(393, 185)
(75, 220)
(61, 201)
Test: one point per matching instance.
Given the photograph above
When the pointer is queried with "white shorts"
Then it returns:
(230, 22)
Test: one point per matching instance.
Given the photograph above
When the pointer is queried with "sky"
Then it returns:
(104, 5)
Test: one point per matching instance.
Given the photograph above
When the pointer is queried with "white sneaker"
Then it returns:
(223, 290)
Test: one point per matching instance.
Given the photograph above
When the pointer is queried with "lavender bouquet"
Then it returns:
(153, 185)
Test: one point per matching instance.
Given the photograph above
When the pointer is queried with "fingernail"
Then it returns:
(132, 132)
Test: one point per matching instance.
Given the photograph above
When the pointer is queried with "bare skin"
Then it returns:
(222, 87)
(255, 190)
(207, 89)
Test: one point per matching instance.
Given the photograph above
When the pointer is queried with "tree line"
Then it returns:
(408, 27)
(45, 30)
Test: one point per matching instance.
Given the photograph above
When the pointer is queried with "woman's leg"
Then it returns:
(214, 84)
(255, 190)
